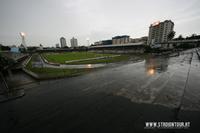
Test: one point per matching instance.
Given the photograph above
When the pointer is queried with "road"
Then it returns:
(117, 99)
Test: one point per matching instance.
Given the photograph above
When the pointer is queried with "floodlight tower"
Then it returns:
(22, 34)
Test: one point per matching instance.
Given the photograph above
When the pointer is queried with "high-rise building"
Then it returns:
(63, 42)
(158, 32)
(74, 42)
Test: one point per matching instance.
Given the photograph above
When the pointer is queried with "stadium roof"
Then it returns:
(118, 45)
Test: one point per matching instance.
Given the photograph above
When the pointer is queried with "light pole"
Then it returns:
(22, 34)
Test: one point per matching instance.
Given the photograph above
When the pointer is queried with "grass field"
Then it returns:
(106, 60)
(54, 72)
(69, 56)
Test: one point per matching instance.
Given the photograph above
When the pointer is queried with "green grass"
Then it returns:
(62, 57)
(105, 60)
(54, 72)
(68, 56)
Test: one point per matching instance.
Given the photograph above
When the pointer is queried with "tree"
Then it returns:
(193, 36)
(5, 63)
(171, 35)
(4, 48)
(180, 37)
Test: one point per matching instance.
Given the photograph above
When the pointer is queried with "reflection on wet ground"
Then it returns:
(156, 65)
(162, 80)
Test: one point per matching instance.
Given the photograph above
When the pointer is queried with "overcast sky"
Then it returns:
(45, 21)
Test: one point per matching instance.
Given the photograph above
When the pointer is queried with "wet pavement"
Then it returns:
(19, 78)
(117, 99)
(13, 88)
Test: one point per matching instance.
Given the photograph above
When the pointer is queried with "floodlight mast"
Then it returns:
(22, 34)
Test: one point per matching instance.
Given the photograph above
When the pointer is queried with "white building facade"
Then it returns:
(158, 32)
(63, 42)
(74, 42)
